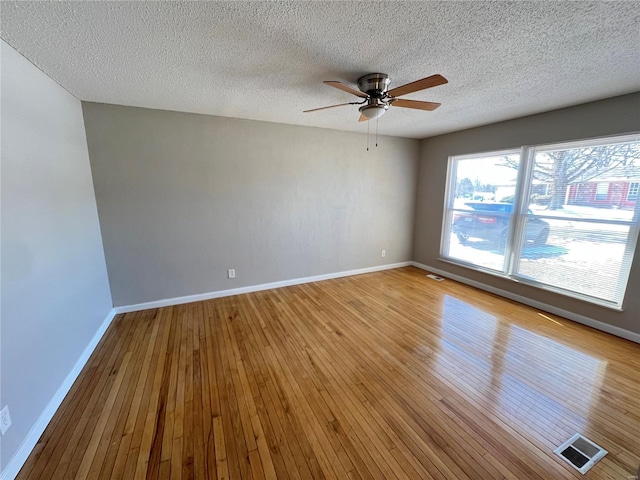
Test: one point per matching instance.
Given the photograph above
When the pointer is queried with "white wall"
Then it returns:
(55, 292)
(184, 197)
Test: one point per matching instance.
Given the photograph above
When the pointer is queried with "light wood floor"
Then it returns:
(388, 375)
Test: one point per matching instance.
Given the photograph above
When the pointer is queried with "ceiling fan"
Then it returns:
(374, 89)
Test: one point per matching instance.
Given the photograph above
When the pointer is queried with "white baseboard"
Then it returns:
(15, 464)
(590, 322)
(253, 288)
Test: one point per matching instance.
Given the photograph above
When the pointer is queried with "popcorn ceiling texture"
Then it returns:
(267, 60)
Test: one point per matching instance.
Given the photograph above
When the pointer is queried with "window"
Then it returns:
(481, 207)
(575, 237)
(602, 191)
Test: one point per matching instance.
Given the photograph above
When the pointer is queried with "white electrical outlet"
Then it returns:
(231, 273)
(5, 419)
(384, 253)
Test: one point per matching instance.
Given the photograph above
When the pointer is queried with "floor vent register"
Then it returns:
(580, 452)
(435, 277)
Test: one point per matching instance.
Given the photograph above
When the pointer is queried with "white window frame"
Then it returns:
(636, 194)
(519, 215)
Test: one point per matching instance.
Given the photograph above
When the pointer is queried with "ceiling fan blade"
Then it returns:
(362, 118)
(414, 104)
(346, 88)
(432, 81)
(324, 108)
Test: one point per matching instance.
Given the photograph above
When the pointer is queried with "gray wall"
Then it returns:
(55, 292)
(607, 117)
(184, 197)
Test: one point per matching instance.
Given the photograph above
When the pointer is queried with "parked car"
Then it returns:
(490, 221)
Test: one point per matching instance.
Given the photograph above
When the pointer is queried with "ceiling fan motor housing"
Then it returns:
(375, 84)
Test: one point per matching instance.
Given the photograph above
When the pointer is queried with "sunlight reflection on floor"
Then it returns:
(532, 377)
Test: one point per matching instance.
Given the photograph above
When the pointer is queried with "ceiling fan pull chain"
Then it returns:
(377, 131)
(367, 136)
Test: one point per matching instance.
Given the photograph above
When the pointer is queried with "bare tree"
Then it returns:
(464, 188)
(560, 168)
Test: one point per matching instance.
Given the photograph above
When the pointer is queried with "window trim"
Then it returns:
(519, 215)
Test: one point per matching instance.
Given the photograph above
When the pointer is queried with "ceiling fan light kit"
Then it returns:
(374, 110)
(377, 98)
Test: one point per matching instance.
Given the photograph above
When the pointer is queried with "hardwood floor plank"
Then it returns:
(237, 453)
(153, 442)
(263, 449)
(172, 392)
(221, 453)
(176, 459)
(387, 375)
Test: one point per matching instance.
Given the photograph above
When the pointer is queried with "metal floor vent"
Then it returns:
(580, 452)
(435, 277)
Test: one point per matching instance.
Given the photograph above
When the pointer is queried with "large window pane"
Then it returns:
(581, 229)
(481, 209)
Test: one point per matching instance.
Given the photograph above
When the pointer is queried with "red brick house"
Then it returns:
(612, 189)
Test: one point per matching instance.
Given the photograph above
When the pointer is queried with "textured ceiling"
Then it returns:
(267, 60)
